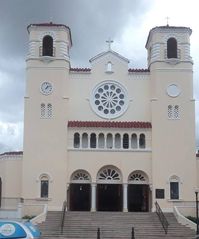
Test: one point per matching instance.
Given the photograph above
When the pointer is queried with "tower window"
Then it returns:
(76, 142)
(43, 110)
(49, 110)
(176, 112)
(47, 46)
(171, 48)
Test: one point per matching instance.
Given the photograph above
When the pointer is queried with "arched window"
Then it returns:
(49, 110)
(93, 140)
(117, 141)
(134, 142)
(142, 143)
(84, 140)
(170, 112)
(43, 110)
(176, 112)
(44, 186)
(125, 141)
(109, 141)
(101, 142)
(174, 187)
(109, 67)
(76, 142)
(47, 46)
(171, 48)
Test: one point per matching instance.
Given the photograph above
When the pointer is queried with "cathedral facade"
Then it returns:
(108, 137)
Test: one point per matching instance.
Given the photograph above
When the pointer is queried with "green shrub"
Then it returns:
(193, 219)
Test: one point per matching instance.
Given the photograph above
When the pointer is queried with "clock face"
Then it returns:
(173, 90)
(46, 88)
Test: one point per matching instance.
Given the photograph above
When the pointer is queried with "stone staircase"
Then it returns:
(113, 225)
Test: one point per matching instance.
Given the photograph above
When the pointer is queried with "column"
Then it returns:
(93, 197)
(125, 207)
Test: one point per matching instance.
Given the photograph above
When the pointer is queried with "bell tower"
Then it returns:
(172, 112)
(45, 116)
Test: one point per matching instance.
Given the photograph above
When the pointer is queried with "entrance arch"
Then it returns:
(109, 189)
(138, 192)
(80, 191)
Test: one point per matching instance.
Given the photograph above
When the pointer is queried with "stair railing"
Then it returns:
(162, 217)
(98, 233)
(63, 215)
(132, 233)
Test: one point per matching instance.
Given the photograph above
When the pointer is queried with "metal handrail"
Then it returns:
(63, 215)
(162, 217)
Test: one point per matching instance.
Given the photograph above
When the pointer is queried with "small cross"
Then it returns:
(109, 41)
(167, 18)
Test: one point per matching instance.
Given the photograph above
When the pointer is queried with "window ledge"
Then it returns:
(110, 150)
(44, 199)
(174, 200)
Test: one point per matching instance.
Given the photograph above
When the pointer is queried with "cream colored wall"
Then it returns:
(10, 173)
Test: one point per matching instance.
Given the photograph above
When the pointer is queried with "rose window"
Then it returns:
(109, 99)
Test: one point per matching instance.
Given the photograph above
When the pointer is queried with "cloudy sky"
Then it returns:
(91, 22)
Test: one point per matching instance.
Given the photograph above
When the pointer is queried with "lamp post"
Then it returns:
(197, 222)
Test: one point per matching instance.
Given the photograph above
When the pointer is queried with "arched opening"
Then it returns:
(84, 140)
(109, 141)
(138, 192)
(101, 141)
(76, 141)
(117, 141)
(93, 140)
(171, 48)
(44, 186)
(109, 189)
(174, 187)
(142, 141)
(125, 141)
(47, 46)
(134, 142)
(79, 192)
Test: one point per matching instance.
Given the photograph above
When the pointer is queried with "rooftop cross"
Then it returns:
(167, 18)
(109, 41)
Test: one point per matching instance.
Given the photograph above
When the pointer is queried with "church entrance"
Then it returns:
(109, 197)
(109, 194)
(138, 198)
(80, 197)
(138, 192)
(79, 191)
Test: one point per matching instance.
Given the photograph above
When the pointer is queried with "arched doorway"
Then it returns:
(79, 192)
(109, 189)
(138, 192)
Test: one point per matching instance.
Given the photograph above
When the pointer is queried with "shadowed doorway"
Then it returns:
(109, 197)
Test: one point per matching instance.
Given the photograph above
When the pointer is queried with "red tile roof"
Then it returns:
(12, 153)
(80, 69)
(109, 124)
(138, 70)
